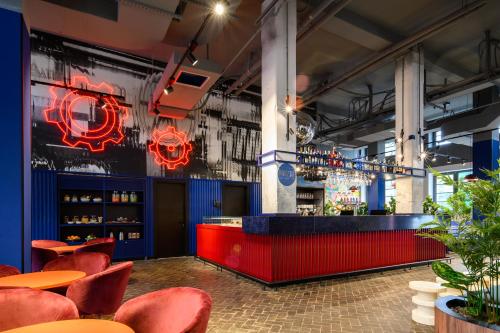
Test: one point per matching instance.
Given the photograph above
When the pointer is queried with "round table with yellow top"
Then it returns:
(68, 249)
(42, 280)
(75, 326)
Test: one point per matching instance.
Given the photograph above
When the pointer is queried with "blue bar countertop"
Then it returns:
(291, 224)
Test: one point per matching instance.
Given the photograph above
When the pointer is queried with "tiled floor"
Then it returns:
(378, 302)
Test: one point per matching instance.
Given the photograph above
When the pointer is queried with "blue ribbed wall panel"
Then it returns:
(44, 205)
(255, 199)
(202, 196)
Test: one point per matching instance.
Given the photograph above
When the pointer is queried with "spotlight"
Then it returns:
(288, 105)
(168, 90)
(423, 155)
(192, 59)
(399, 140)
(373, 176)
(220, 8)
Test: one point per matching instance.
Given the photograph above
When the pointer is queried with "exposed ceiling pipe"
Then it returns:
(326, 9)
(397, 49)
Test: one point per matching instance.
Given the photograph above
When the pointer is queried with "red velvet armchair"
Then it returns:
(101, 245)
(173, 310)
(101, 293)
(47, 243)
(6, 270)
(41, 256)
(90, 263)
(24, 306)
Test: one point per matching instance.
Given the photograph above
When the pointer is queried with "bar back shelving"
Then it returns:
(104, 207)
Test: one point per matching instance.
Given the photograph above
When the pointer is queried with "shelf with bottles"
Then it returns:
(314, 163)
(124, 235)
(114, 197)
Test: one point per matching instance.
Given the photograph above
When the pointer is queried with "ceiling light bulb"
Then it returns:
(219, 8)
(423, 155)
(372, 176)
(399, 140)
(288, 108)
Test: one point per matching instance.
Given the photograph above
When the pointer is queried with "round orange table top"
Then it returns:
(66, 249)
(75, 326)
(42, 280)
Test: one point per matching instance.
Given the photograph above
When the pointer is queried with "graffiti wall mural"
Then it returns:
(89, 111)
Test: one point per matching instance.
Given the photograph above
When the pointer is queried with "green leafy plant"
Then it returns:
(429, 206)
(363, 209)
(391, 207)
(469, 225)
(329, 209)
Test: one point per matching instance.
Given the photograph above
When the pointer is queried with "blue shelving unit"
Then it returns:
(103, 187)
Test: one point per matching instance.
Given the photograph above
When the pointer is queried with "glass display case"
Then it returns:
(229, 221)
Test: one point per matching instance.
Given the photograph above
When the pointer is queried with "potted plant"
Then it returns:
(429, 206)
(363, 209)
(391, 207)
(469, 225)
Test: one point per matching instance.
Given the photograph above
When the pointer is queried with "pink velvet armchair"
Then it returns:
(47, 243)
(24, 306)
(101, 245)
(90, 263)
(101, 293)
(41, 256)
(6, 270)
(173, 310)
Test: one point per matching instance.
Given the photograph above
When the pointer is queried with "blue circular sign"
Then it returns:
(286, 174)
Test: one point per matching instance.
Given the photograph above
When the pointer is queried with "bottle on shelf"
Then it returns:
(111, 235)
(133, 197)
(124, 197)
(120, 236)
(115, 197)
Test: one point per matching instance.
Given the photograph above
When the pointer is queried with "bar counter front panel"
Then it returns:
(279, 249)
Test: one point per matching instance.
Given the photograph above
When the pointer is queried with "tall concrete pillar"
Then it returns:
(409, 82)
(15, 138)
(376, 191)
(485, 152)
(278, 36)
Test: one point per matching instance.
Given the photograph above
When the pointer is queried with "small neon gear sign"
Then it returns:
(93, 136)
(170, 147)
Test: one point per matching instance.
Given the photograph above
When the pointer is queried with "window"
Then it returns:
(442, 191)
(390, 190)
(390, 147)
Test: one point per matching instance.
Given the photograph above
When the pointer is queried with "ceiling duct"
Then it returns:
(191, 84)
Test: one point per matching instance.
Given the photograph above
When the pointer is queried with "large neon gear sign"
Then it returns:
(60, 113)
(170, 148)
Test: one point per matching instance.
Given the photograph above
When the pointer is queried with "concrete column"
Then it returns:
(485, 152)
(15, 138)
(376, 191)
(278, 37)
(409, 82)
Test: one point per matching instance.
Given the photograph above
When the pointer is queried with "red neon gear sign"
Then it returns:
(170, 147)
(60, 113)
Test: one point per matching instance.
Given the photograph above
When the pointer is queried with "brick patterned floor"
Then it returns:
(378, 302)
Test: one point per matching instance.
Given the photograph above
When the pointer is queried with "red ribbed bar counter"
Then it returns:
(281, 249)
